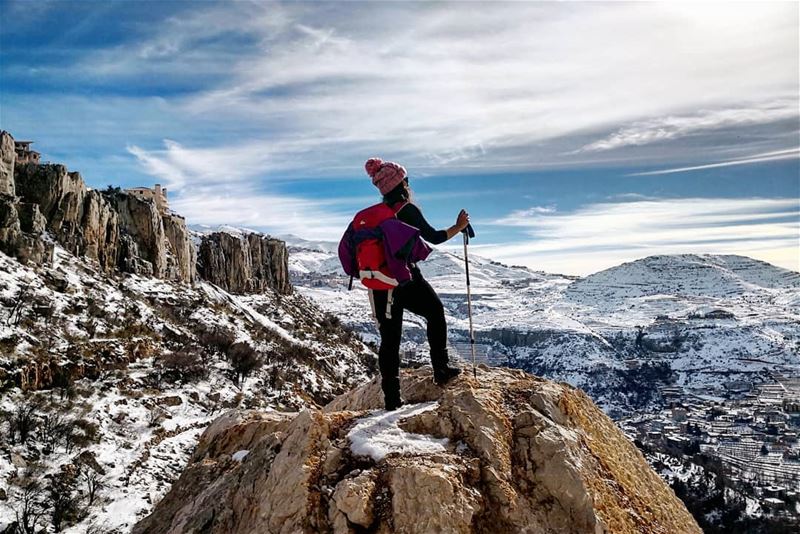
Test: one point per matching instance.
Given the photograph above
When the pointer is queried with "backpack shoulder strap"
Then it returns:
(397, 207)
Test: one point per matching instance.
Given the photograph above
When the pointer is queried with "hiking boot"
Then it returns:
(393, 404)
(444, 375)
(391, 393)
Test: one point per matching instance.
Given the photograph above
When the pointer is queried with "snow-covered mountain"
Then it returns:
(706, 321)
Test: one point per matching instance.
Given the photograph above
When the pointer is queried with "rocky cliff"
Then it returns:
(21, 224)
(7, 159)
(82, 221)
(506, 452)
(124, 232)
(117, 230)
(244, 263)
(155, 243)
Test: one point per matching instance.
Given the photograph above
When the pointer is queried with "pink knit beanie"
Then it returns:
(386, 175)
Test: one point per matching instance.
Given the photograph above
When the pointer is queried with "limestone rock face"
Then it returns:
(182, 255)
(82, 221)
(154, 243)
(10, 230)
(516, 454)
(21, 228)
(141, 221)
(118, 230)
(246, 263)
(7, 159)
(100, 230)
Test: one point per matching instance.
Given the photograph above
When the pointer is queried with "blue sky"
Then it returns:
(578, 135)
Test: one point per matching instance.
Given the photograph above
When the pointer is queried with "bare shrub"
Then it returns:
(23, 421)
(186, 365)
(18, 305)
(217, 338)
(63, 499)
(244, 359)
(64, 381)
(299, 353)
(83, 433)
(93, 483)
(50, 431)
(28, 501)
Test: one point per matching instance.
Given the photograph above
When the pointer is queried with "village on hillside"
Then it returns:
(749, 440)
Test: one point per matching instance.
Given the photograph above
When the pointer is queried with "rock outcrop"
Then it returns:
(506, 452)
(117, 230)
(123, 232)
(153, 243)
(182, 254)
(21, 224)
(80, 220)
(7, 159)
(244, 263)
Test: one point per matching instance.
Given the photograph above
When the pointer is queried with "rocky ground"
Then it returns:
(503, 452)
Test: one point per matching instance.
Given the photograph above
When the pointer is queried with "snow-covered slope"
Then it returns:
(116, 377)
(706, 320)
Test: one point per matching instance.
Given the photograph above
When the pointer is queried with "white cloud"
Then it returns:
(606, 234)
(460, 87)
(792, 153)
(222, 186)
(671, 127)
(465, 86)
(273, 213)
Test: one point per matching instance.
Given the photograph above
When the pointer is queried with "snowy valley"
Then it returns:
(708, 323)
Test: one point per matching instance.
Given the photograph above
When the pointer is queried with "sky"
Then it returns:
(577, 135)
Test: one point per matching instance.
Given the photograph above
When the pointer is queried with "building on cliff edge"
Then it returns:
(158, 195)
(24, 152)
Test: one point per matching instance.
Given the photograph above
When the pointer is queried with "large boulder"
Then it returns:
(503, 452)
(244, 263)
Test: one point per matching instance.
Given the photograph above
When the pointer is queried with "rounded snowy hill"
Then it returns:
(685, 285)
(687, 275)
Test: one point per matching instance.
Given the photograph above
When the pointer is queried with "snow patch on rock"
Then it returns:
(379, 435)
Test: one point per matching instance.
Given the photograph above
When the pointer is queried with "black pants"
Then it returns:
(419, 298)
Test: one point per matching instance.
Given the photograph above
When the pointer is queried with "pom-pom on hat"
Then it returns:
(386, 175)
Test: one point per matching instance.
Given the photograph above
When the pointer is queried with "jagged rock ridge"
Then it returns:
(511, 453)
(123, 232)
(244, 263)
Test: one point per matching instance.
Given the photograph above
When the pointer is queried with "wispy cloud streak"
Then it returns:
(778, 155)
(673, 127)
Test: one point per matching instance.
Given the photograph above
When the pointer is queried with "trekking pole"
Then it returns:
(469, 232)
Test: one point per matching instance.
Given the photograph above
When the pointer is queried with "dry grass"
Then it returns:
(629, 497)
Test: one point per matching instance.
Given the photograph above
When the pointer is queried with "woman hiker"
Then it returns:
(416, 295)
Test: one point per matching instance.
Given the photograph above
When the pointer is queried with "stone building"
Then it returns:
(24, 152)
(158, 195)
